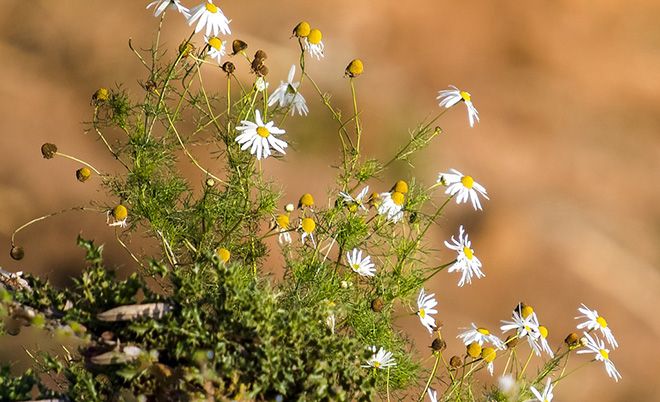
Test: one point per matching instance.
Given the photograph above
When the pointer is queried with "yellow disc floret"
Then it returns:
(468, 253)
(216, 43)
(354, 68)
(315, 36)
(467, 181)
(306, 201)
(223, 254)
(543, 330)
(526, 311)
(474, 350)
(605, 354)
(308, 225)
(398, 198)
(120, 212)
(101, 95)
(422, 313)
(465, 96)
(83, 174)
(600, 320)
(483, 331)
(302, 29)
(282, 221)
(488, 354)
(401, 186)
(263, 132)
(212, 8)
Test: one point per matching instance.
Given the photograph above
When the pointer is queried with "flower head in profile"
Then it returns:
(161, 5)
(538, 341)
(216, 47)
(259, 137)
(480, 335)
(597, 347)
(381, 359)
(282, 226)
(308, 226)
(210, 16)
(489, 354)
(464, 186)
(117, 216)
(313, 43)
(359, 265)
(546, 395)
(466, 262)
(425, 307)
(391, 204)
(287, 95)
(359, 200)
(450, 97)
(596, 322)
(524, 322)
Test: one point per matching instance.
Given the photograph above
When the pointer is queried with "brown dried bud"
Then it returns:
(150, 86)
(185, 48)
(511, 341)
(238, 46)
(438, 345)
(48, 150)
(455, 362)
(377, 305)
(17, 253)
(573, 339)
(260, 55)
(228, 67)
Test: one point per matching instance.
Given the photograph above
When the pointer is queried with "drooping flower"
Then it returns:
(450, 97)
(117, 216)
(597, 347)
(282, 225)
(259, 137)
(596, 322)
(480, 335)
(216, 47)
(287, 95)
(313, 43)
(466, 262)
(546, 395)
(464, 186)
(381, 359)
(391, 204)
(209, 15)
(489, 354)
(359, 265)
(161, 5)
(538, 341)
(425, 307)
(308, 226)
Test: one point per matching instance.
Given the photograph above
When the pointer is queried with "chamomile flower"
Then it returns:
(597, 346)
(381, 359)
(480, 335)
(282, 225)
(466, 262)
(546, 395)
(287, 95)
(209, 15)
(259, 137)
(464, 186)
(313, 43)
(117, 216)
(359, 265)
(391, 204)
(308, 225)
(216, 47)
(489, 354)
(596, 322)
(450, 97)
(433, 395)
(524, 326)
(359, 200)
(538, 341)
(425, 307)
(161, 5)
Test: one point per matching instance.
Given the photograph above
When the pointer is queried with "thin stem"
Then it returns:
(41, 218)
(79, 161)
(428, 383)
(529, 358)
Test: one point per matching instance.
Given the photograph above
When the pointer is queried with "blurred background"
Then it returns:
(568, 145)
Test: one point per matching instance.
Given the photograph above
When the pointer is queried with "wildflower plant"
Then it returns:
(201, 319)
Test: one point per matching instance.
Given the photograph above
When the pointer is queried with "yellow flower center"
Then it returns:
(543, 331)
(263, 131)
(467, 181)
(527, 311)
(468, 253)
(376, 364)
(212, 8)
(314, 36)
(465, 96)
(483, 331)
(488, 354)
(302, 29)
(355, 267)
(398, 198)
(306, 200)
(216, 43)
(282, 221)
(474, 350)
(120, 212)
(223, 254)
(602, 322)
(308, 225)
(604, 353)
(355, 68)
(422, 313)
(401, 186)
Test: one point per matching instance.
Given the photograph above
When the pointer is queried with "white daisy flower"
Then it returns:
(287, 95)
(359, 265)
(433, 395)
(480, 335)
(308, 225)
(359, 200)
(466, 262)
(596, 322)
(391, 204)
(524, 326)
(381, 359)
(209, 15)
(313, 43)
(425, 307)
(259, 137)
(546, 395)
(161, 5)
(464, 186)
(450, 97)
(597, 346)
(538, 341)
(216, 47)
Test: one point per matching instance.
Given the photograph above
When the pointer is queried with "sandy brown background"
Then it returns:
(568, 146)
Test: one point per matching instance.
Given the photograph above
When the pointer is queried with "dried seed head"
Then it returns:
(377, 305)
(101, 95)
(83, 174)
(238, 46)
(573, 339)
(228, 67)
(17, 253)
(511, 341)
(455, 361)
(438, 345)
(302, 29)
(474, 350)
(262, 71)
(48, 150)
(260, 55)
(354, 68)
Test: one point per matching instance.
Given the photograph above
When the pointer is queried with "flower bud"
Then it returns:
(48, 150)
(400, 186)
(438, 345)
(101, 95)
(573, 339)
(354, 68)
(302, 29)
(83, 174)
(223, 254)
(238, 46)
(377, 305)
(228, 67)
(306, 201)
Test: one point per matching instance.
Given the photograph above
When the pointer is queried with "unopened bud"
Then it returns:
(302, 29)
(83, 174)
(354, 68)
(238, 46)
(17, 253)
(573, 339)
